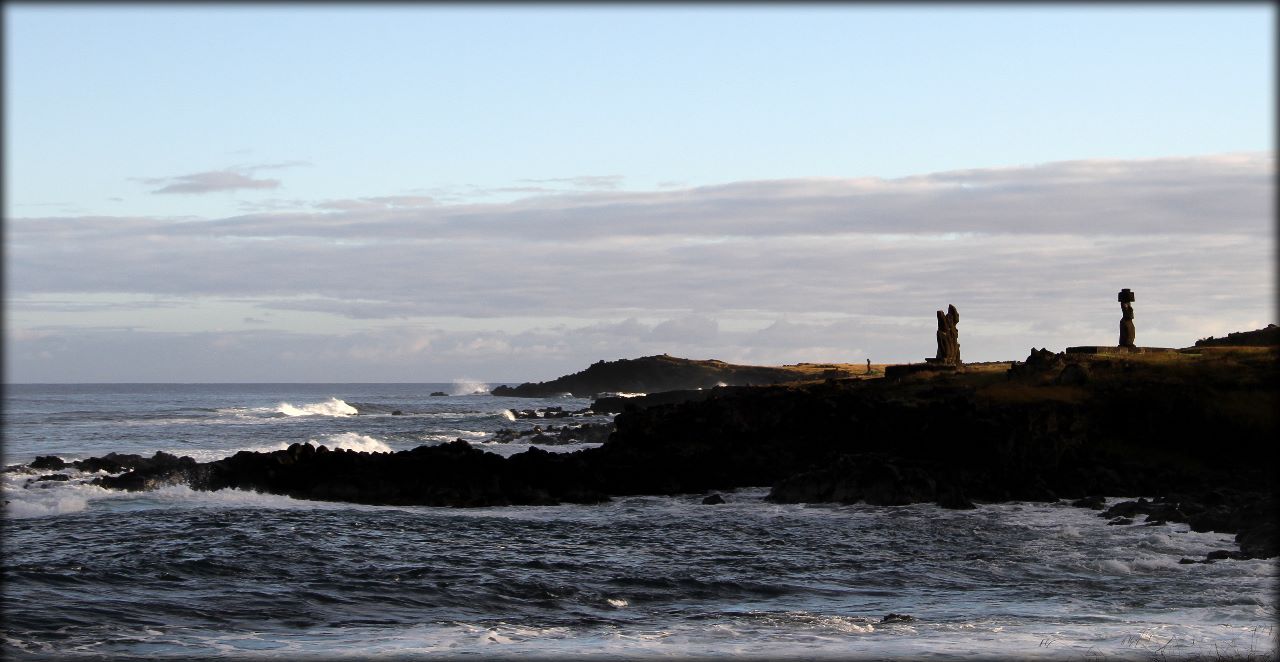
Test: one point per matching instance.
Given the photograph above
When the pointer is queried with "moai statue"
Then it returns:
(953, 318)
(1127, 333)
(948, 337)
(944, 339)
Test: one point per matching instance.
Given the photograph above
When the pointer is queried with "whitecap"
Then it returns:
(330, 407)
(352, 441)
(43, 503)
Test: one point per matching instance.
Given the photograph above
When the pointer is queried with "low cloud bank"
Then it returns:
(1030, 255)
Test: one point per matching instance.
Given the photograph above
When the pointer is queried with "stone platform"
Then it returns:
(902, 370)
(1117, 349)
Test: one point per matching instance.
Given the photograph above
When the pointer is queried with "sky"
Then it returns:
(427, 193)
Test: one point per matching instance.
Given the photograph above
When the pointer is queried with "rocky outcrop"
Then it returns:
(453, 474)
(1268, 337)
(614, 404)
(587, 433)
(652, 374)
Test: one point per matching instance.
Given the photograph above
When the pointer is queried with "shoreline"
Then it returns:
(1190, 430)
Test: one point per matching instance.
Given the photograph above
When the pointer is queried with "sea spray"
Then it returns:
(330, 407)
(352, 441)
(466, 386)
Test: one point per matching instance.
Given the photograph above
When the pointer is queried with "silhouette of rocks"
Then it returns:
(1268, 337)
(1154, 428)
(48, 462)
(652, 374)
(712, 500)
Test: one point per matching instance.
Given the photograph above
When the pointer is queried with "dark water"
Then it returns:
(179, 574)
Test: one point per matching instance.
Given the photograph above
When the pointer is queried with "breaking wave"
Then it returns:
(352, 441)
(330, 407)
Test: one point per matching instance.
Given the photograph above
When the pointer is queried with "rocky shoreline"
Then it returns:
(1193, 434)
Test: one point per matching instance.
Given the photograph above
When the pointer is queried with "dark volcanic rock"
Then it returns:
(712, 500)
(1270, 336)
(453, 474)
(651, 374)
(48, 462)
(1094, 502)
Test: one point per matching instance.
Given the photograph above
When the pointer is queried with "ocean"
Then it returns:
(178, 574)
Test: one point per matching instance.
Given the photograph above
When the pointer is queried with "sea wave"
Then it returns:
(352, 441)
(330, 407)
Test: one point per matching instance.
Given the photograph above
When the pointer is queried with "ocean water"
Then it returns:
(181, 574)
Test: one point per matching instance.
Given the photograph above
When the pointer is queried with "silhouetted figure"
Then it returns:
(868, 366)
(953, 319)
(948, 337)
(944, 338)
(1127, 332)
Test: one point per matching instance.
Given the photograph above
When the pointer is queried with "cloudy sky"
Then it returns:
(426, 193)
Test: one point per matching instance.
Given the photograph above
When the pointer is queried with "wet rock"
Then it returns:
(437, 394)
(48, 462)
(1259, 539)
(1126, 509)
(1093, 502)
(1120, 521)
(53, 477)
(1218, 518)
(897, 618)
(712, 500)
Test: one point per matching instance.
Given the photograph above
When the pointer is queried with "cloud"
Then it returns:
(688, 329)
(598, 182)
(812, 268)
(228, 179)
(210, 182)
(379, 202)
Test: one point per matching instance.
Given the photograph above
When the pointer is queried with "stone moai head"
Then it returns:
(1125, 296)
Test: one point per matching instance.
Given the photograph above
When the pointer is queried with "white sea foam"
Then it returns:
(330, 407)
(43, 503)
(507, 414)
(454, 434)
(352, 441)
(48, 498)
(466, 386)
(508, 449)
